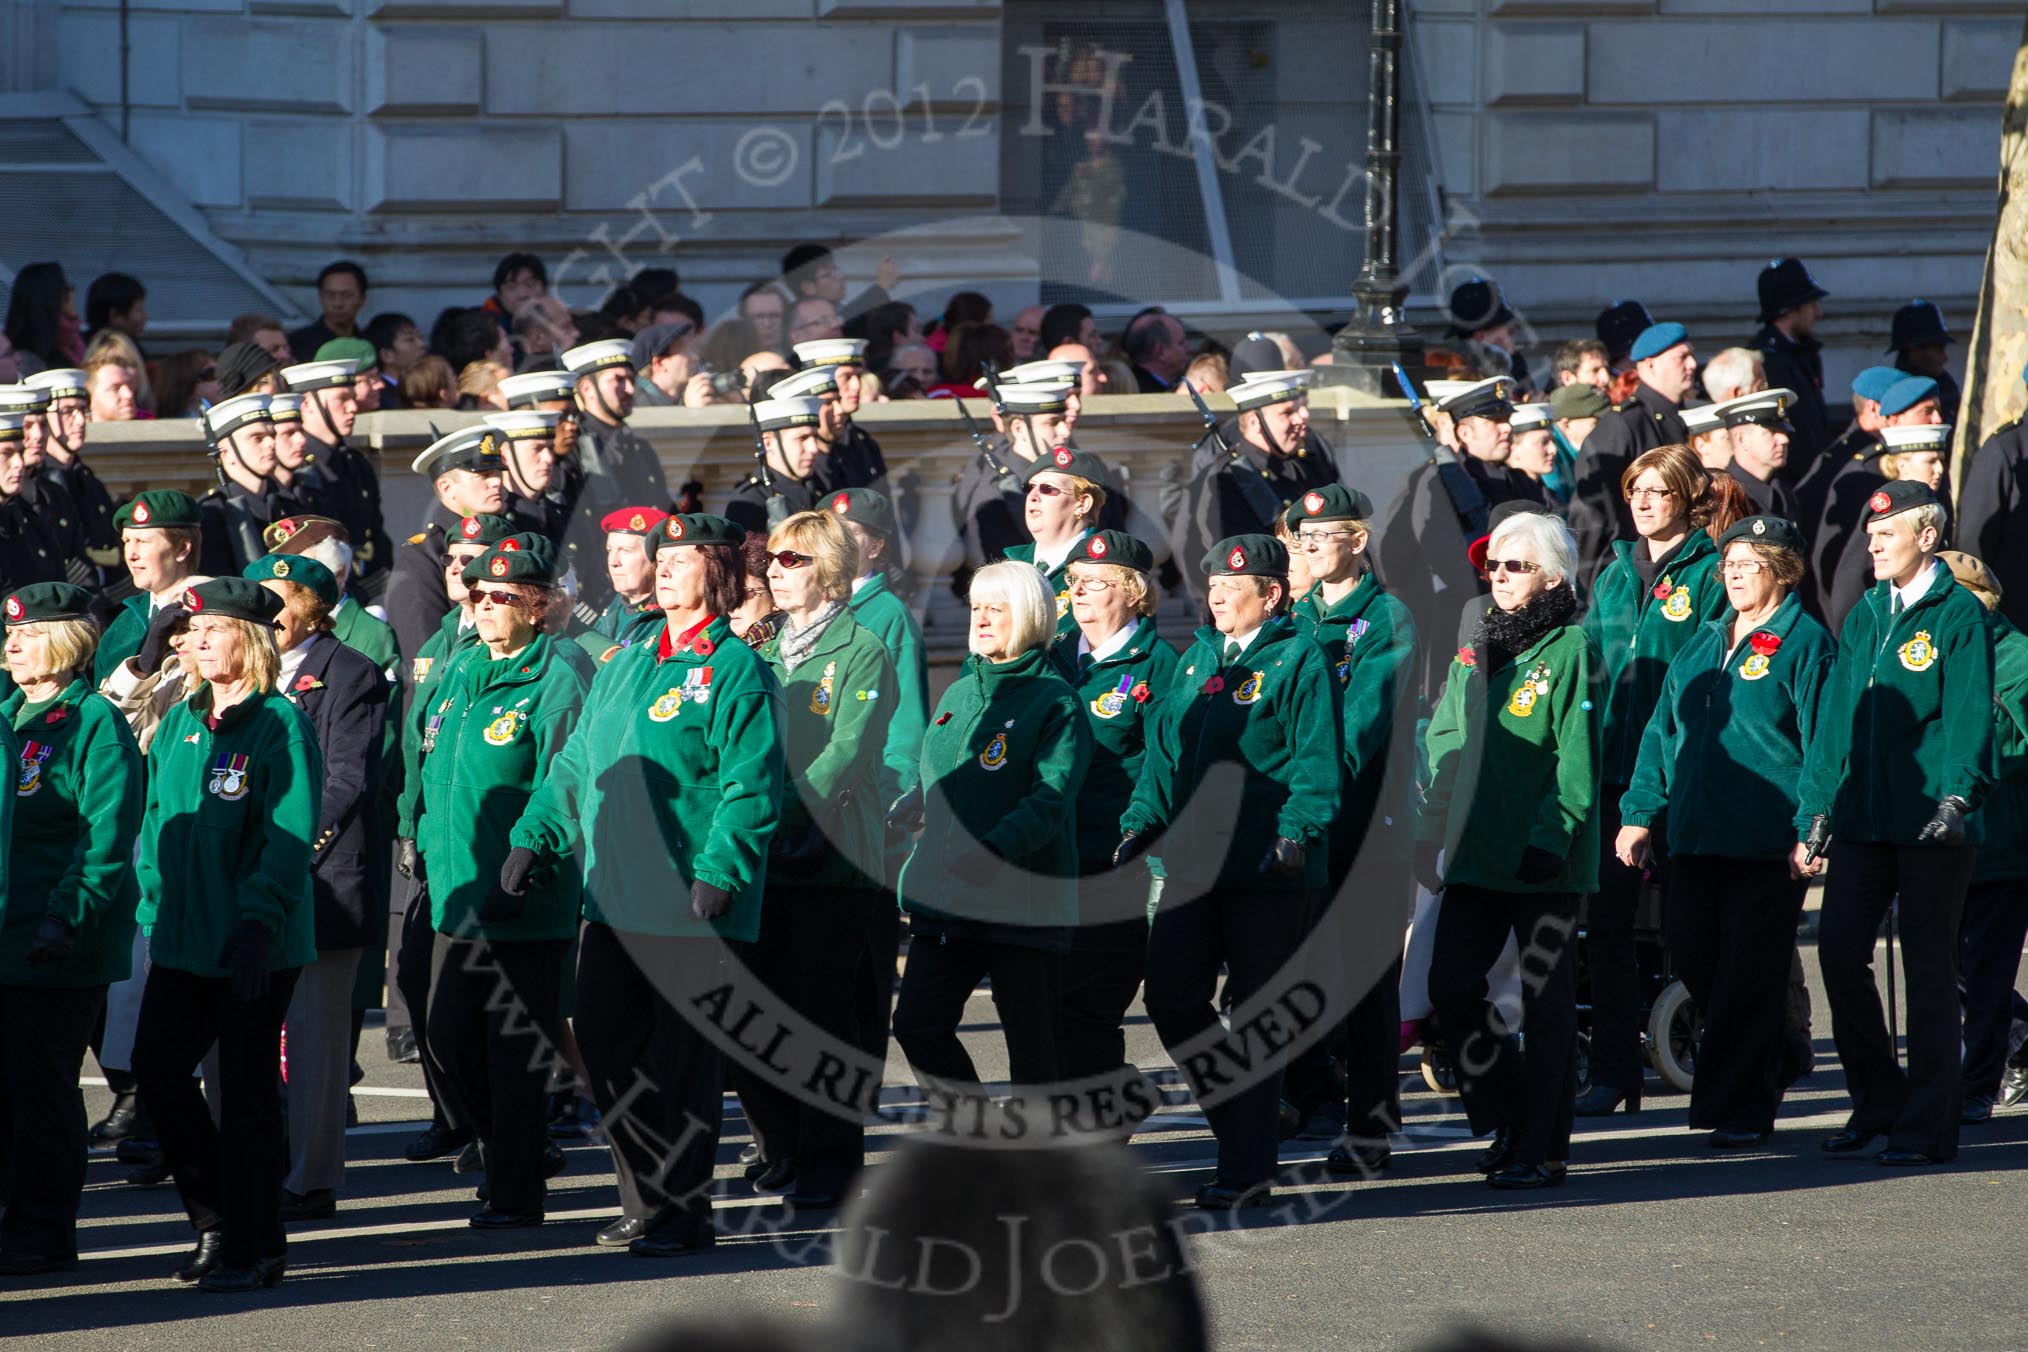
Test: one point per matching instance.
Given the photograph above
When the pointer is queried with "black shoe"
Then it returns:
(1221, 1197)
(33, 1264)
(750, 1153)
(1603, 1101)
(470, 1160)
(668, 1245)
(1977, 1108)
(814, 1197)
(401, 1048)
(139, 1150)
(489, 1219)
(315, 1205)
(1358, 1161)
(554, 1162)
(232, 1280)
(2013, 1086)
(1847, 1142)
(1289, 1120)
(203, 1258)
(621, 1233)
(1325, 1124)
(1737, 1140)
(1894, 1158)
(126, 1119)
(754, 1169)
(1519, 1177)
(435, 1143)
(1498, 1154)
(150, 1175)
(578, 1120)
(777, 1177)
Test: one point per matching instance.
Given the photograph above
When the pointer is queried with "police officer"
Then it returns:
(245, 500)
(701, 708)
(464, 472)
(1254, 695)
(224, 870)
(1900, 761)
(1920, 342)
(75, 800)
(1790, 305)
(63, 425)
(791, 428)
(1667, 368)
(853, 458)
(1484, 327)
(1991, 522)
(1761, 435)
(344, 477)
(495, 731)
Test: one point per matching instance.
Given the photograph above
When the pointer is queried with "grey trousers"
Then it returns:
(319, 1031)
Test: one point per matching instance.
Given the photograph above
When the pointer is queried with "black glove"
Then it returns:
(904, 814)
(975, 866)
(1284, 859)
(499, 907)
(246, 956)
(1537, 865)
(1947, 827)
(1129, 849)
(155, 643)
(406, 861)
(514, 871)
(1818, 839)
(54, 938)
(1426, 871)
(708, 902)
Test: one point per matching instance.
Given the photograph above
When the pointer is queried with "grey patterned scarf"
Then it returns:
(797, 644)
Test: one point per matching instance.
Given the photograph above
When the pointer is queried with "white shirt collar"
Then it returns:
(1053, 560)
(1112, 645)
(292, 660)
(859, 583)
(1918, 586)
(1244, 641)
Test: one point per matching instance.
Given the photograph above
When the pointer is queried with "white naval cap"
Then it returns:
(586, 358)
(320, 375)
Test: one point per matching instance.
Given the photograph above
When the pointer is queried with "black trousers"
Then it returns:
(873, 1001)
(943, 971)
(808, 954)
(1990, 937)
(1731, 927)
(44, 1138)
(493, 1020)
(1917, 1109)
(656, 1079)
(1531, 1093)
(230, 1175)
(1613, 969)
(410, 974)
(1252, 935)
(1102, 972)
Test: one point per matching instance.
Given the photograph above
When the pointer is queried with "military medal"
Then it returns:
(697, 685)
(228, 777)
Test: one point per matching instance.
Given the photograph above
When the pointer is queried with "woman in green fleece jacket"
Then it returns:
(66, 910)
(1512, 804)
(1717, 779)
(234, 787)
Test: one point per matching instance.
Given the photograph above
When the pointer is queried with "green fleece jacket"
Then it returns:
(1119, 694)
(2004, 817)
(1639, 630)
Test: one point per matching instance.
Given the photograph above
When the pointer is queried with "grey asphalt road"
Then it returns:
(1653, 1243)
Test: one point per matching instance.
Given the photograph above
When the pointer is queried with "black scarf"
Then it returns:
(1502, 633)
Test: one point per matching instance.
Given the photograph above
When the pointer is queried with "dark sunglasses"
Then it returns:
(208, 373)
(498, 598)
(1047, 490)
(1519, 566)
(789, 558)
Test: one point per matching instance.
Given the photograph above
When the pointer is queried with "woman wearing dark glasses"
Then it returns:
(1066, 490)
(1511, 805)
(838, 688)
(1718, 775)
(1650, 601)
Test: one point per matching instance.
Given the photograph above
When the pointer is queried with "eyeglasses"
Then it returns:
(789, 558)
(1318, 537)
(1047, 490)
(1519, 567)
(1079, 582)
(498, 598)
(1649, 494)
(1743, 567)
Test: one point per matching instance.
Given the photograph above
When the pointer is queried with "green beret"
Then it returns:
(364, 355)
(865, 506)
(48, 601)
(1066, 460)
(1114, 546)
(483, 529)
(295, 568)
(1332, 502)
(1764, 530)
(159, 507)
(508, 561)
(1578, 400)
(233, 598)
(1897, 496)
(1247, 556)
(699, 528)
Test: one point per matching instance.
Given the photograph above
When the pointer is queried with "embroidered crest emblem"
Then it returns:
(675, 527)
(820, 698)
(1343, 670)
(228, 778)
(1677, 607)
(1313, 503)
(1918, 654)
(1880, 502)
(502, 729)
(192, 602)
(141, 515)
(637, 522)
(1062, 604)
(1113, 702)
(33, 754)
(841, 503)
(666, 706)
(14, 608)
(1062, 456)
(1754, 667)
(281, 567)
(1248, 690)
(469, 528)
(498, 568)
(1096, 547)
(1760, 528)
(995, 754)
(1236, 560)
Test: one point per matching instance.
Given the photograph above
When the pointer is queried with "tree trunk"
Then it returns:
(1995, 392)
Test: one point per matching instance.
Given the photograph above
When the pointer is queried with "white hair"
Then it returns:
(1733, 372)
(334, 554)
(1545, 536)
(1022, 589)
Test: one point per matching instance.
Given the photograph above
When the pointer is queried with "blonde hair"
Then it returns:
(1093, 495)
(262, 661)
(1891, 462)
(110, 347)
(833, 553)
(1141, 600)
(71, 643)
(1021, 588)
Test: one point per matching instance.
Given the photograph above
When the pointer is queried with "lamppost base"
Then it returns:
(1363, 358)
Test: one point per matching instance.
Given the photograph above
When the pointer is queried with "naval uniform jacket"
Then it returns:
(344, 696)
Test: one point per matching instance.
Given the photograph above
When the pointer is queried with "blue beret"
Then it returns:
(1657, 339)
(1875, 381)
(1905, 393)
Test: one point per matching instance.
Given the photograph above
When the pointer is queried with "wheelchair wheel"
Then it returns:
(1672, 1036)
(1438, 1072)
